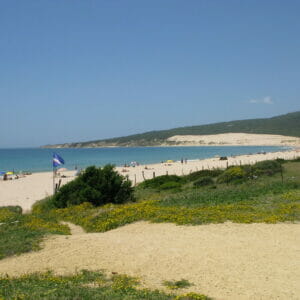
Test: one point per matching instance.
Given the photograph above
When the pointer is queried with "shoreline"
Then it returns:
(281, 149)
(27, 190)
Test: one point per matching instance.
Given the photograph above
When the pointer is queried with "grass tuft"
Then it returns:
(179, 284)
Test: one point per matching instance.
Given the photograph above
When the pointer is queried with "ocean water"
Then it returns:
(38, 160)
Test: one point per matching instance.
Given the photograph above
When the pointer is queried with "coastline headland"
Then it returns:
(29, 189)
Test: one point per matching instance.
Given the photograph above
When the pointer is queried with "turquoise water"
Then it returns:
(37, 160)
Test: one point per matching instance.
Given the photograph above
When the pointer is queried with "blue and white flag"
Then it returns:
(57, 160)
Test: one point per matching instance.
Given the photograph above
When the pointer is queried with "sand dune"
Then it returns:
(236, 139)
(224, 261)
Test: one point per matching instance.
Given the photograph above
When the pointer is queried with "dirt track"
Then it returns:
(224, 261)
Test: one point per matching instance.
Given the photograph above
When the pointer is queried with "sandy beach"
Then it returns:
(224, 261)
(26, 191)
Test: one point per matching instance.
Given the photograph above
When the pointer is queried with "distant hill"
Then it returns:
(287, 125)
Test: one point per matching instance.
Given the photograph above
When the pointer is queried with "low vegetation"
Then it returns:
(177, 284)
(21, 233)
(160, 182)
(83, 285)
(263, 198)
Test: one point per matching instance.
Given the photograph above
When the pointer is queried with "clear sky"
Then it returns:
(81, 70)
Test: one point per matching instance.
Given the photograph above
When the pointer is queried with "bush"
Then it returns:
(204, 173)
(159, 181)
(203, 181)
(170, 185)
(43, 206)
(267, 167)
(95, 185)
(232, 174)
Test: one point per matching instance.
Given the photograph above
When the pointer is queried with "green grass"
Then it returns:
(84, 285)
(177, 284)
(23, 233)
(223, 194)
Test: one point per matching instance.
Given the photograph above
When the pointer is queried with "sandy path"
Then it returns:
(225, 261)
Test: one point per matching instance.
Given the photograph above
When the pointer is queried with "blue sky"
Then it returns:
(81, 70)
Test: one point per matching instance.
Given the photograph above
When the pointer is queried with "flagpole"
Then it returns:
(53, 180)
(57, 160)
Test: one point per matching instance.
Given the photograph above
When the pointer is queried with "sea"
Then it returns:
(40, 159)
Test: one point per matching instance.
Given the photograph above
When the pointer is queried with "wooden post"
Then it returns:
(143, 175)
(166, 172)
(227, 165)
(281, 172)
(134, 179)
(153, 174)
(54, 173)
(59, 183)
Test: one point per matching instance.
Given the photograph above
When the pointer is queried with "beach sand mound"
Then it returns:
(223, 261)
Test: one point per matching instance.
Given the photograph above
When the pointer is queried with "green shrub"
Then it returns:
(267, 167)
(95, 185)
(204, 173)
(203, 181)
(158, 181)
(232, 174)
(170, 185)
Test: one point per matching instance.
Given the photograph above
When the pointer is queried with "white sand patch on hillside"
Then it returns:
(236, 139)
(224, 261)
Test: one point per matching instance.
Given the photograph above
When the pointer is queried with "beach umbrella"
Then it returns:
(2, 173)
(170, 161)
(62, 170)
(10, 173)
